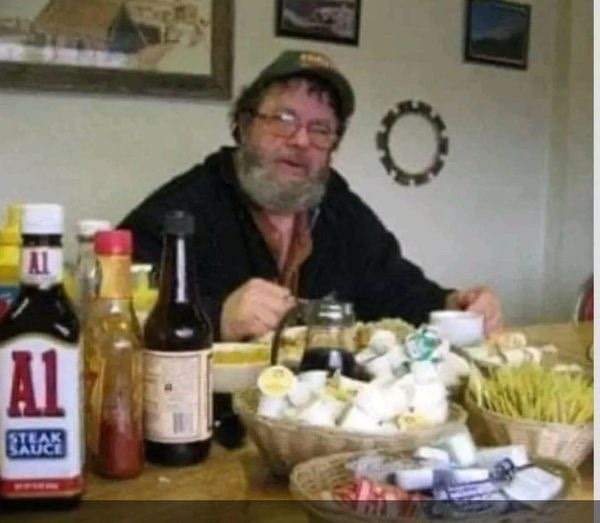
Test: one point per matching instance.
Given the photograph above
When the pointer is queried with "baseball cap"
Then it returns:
(292, 62)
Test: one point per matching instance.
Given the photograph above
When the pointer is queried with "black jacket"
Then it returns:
(353, 254)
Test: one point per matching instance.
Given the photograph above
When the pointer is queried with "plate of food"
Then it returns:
(236, 366)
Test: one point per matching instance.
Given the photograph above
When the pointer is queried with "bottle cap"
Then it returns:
(42, 218)
(117, 243)
(179, 223)
(88, 228)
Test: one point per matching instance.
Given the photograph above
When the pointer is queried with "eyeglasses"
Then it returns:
(286, 125)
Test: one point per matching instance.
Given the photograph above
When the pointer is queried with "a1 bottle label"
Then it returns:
(40, 418)
(42, 266)
(177, 396)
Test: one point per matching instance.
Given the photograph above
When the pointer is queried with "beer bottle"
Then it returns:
(40, 373)
(177, 357)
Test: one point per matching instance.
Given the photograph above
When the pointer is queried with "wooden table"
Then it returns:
(240, 476)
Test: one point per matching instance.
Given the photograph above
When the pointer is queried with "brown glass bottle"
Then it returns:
(177, 357)
(40, 378)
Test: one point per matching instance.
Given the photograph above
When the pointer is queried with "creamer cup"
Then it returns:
(379, 367)
(301, 394)
(317, 413)
(380, 403)
(271, 406)
(460, 328)
(358, 421)
(276, 381)
(335, 407)
(316, 379)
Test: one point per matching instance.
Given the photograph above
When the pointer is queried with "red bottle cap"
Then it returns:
(117, 242)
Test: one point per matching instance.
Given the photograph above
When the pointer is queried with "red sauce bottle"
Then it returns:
(113, 365)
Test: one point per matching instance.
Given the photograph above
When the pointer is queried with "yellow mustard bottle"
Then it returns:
(10, 255)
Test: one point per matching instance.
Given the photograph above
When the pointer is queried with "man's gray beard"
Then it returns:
(273, 196)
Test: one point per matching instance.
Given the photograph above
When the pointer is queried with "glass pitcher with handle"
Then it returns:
(329, 335)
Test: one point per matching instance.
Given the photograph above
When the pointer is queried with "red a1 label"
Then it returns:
(38, 263)
(40, 417)
(22, 401)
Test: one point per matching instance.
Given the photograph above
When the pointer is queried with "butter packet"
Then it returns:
(469, 500)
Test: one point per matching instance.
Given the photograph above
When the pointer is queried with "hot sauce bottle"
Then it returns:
(177, 357)
(40, 372)
(113, 365)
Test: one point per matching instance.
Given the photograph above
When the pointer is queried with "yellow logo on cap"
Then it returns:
(316, 59)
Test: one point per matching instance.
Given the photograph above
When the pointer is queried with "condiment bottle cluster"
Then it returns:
(84, 381)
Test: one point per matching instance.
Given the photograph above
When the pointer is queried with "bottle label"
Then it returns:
(40, 418)
(42, 266)
(177, 396)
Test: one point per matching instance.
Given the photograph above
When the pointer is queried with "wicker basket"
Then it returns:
(310, 479)
(285, 443)
(570, 444)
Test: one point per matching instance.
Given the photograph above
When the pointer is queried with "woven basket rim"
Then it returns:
(320, 465)
(455, 410)
(525, 421)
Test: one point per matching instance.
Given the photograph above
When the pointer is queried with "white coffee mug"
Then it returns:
(460, 328)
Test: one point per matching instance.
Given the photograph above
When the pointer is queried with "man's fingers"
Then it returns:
(494, 323)
(261, 287)
(484, 301)
(267, 317)
(255, 308)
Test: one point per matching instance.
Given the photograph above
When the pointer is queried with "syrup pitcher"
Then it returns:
(329, 335)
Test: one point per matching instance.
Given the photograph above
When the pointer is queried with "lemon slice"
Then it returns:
(276, 381)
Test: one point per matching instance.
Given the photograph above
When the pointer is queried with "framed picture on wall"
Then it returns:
(146, 47)
(336, 21)
(497, 33)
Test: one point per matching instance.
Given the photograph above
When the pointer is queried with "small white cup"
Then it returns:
(315, 379)
(301, 394)
(381, 403)
(357, 420)
(379, 367)
(271, 407)
(460, 328)
(317, 413)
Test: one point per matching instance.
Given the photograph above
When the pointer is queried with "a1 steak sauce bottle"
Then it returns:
(41, 449)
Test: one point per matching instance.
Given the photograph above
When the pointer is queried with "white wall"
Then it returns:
(569, 205)
(482, 220)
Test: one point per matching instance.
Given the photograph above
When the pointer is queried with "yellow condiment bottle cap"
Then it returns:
(276, 381)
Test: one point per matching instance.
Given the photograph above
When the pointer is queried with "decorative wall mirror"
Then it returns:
(413, 141)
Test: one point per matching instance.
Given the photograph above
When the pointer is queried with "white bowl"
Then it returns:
(236, 366)
(460, 328)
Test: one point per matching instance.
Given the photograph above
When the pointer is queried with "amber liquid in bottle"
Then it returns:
(177, 358)
(40, 385)
(113, 365)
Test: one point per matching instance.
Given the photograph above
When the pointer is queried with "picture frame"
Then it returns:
(135, 47)
(497, 33)
(333, 21)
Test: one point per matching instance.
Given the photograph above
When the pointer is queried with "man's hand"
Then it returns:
(254, 309)
(479, 299)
